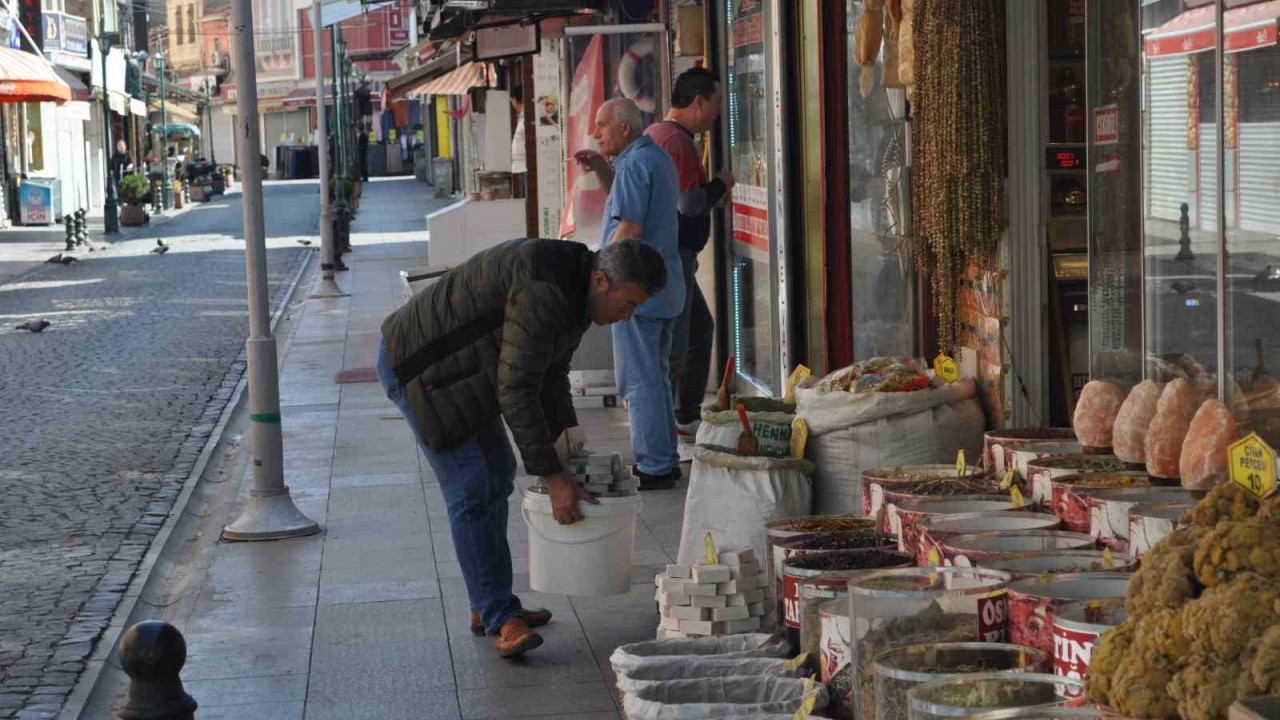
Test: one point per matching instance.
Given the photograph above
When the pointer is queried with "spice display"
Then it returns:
(1071, 496)
(959, 146)
(1050, 562)
(828, 569)
(903, 516)
(979, 548)
(1204, 609)
(998, 445)
(797, 547)
(933, 532)
(878, 483)
(1109, 511)
(1076, 627)
(1149, 523)
(960, 696)
(1129, 435)
(903, 668)
(933, 625)
(1178, 403)
(879, 374)
(1204, 453)
(1042, 472)
(1096, 411)
(1032, 602)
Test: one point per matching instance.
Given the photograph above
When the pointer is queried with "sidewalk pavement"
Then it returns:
(369, 619)
(23, 247)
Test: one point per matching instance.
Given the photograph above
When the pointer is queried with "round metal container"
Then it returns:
(933, 531)
(978, 548)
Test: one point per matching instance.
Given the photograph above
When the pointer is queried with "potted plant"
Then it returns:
(133, 191)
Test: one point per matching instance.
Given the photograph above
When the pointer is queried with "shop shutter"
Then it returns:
(1168, 160)
(1259, 160)
(1207, 200)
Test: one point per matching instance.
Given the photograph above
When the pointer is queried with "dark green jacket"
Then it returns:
(493, 338)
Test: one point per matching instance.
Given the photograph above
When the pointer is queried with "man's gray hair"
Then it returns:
(624, 261)
(626, 111)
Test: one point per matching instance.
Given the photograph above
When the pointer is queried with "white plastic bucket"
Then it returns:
(591, 557)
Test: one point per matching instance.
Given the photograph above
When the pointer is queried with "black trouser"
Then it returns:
(691, 345)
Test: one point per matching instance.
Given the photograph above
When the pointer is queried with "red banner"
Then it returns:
(586, 95)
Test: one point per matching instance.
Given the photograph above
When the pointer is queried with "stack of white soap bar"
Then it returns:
(720, 599)
(601, 473)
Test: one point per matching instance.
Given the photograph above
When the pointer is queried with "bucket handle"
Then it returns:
(583, 541)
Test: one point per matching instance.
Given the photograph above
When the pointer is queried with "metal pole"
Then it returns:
(166, 188)
(340, 202)
(327, 287)
(110, 213)
(270, 513)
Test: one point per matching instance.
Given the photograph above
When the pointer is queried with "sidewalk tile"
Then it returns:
(257, 711)
(555, 700)
(395, 706)
(375, 649)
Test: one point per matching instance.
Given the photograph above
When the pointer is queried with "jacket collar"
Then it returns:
(637, 144)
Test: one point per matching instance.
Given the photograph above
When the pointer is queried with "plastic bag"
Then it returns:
(636, 656)
(733, 497)
(852, 432)
(695, 667)
(720, 428)
(720, 697)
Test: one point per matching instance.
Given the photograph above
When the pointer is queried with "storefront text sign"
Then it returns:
(1253, 465)
(751, 216)
(1106, 125)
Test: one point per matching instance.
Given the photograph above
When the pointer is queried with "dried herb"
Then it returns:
(931, 625)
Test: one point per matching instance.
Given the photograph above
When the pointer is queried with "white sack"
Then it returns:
(732, 498)
(853, 432)
(694, 667)
(720, 428)
(720, 697)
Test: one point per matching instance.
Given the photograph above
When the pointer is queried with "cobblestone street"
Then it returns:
(103, 415)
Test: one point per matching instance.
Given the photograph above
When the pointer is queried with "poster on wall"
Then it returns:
(751, 216)
(585, 195)
(550, 139)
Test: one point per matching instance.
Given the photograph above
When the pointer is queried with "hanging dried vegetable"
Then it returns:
(959, 132)
(867, 41)
(892, 22)
(906, 50)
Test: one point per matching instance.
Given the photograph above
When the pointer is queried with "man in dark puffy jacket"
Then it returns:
(490, 341)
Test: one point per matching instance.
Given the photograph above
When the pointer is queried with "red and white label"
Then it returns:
(993, 617)
(1072, 651)
(1106, 125)
(790, 601)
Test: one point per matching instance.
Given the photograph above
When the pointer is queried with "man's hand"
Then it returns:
(726, 176)
(565, 494)
(591, 161)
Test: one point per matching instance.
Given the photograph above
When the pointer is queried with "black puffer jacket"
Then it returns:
(493, 337)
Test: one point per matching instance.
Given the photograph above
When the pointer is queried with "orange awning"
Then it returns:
(456, 82)
(29, 78)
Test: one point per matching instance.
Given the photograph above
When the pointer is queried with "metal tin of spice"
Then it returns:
(998, 445)
(1071, 493)
(877, 481)
(933, 531)
(1076, 627)
(1033, 602)
(985, 691)
(1056, 562)
(977, 548)
(903, 517)
(1150, 522)
(1041, 471)
(1109, 511)
(902, 668)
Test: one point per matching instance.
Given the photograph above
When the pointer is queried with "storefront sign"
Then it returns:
(66, 34)
(751, 216)
(30, 15)
(1253, 465)
(1106, 125)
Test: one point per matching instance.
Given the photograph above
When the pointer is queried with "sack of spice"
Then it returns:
(697, 667)
(770, 422)
(635, 657)
(722, 696)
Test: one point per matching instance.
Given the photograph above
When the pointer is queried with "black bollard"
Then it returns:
(82, 231)
(70, 224)
(152, 654)
(1184, 238)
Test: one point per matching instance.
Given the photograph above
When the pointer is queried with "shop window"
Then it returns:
(878, 209)
(177, 36)
(1259, 88)
(34, 139)
(191, 23)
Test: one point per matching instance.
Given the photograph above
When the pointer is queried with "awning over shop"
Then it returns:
(176, 110)
(1243, 28)
(137, 107)
(457, 82)
(29, 78)
(179, 128)
(79, 91)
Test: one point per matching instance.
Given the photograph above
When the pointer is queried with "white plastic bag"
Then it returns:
(852, 432)
(732, 497)
(642, 655)
(720, 428)
(694, 667)
(720, 697)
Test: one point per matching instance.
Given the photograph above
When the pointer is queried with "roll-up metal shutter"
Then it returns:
(1169, 163)
(1259, 161)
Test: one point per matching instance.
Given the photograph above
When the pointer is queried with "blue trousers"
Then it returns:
(642, 363)
(476, 478)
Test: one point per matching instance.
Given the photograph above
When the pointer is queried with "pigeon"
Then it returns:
(304, 242)
(61, 259)
(160, 248)
(35, 326)
(1182, 288)
(55, 259)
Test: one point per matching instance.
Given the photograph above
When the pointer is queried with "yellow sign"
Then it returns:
(391, 134)
(798, 661)
(1253, 465)
(797, 376)
(1108, 562)
(946, 368)
(1015, 496)
(1007, 482)
(961, 465)
(799, 437)
(373, 136)
(713, 557)
(422, 136)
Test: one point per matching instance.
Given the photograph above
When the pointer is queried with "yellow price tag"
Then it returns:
(945, 367)
(797, 376)
(1007, 482)
(810, 699)
(934, 559)
(1253, 465)
(373, 136)
(392, 134)
(799, 437)
(798, 661)
(961, 465)
(713, 557)
(1015, 496)
(1108, 562)
(422, 135)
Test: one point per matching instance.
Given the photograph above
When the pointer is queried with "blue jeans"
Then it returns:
(642, 363)
(476, 478)
(691, 348)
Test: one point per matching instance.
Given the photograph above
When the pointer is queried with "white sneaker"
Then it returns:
(686, 439)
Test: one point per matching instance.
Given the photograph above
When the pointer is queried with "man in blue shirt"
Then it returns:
(644, 190)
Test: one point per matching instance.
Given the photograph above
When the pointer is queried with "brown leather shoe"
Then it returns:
(515, 638)
(534, 618)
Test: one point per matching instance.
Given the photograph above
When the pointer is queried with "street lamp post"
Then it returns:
(166, 187)
(110, 213)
